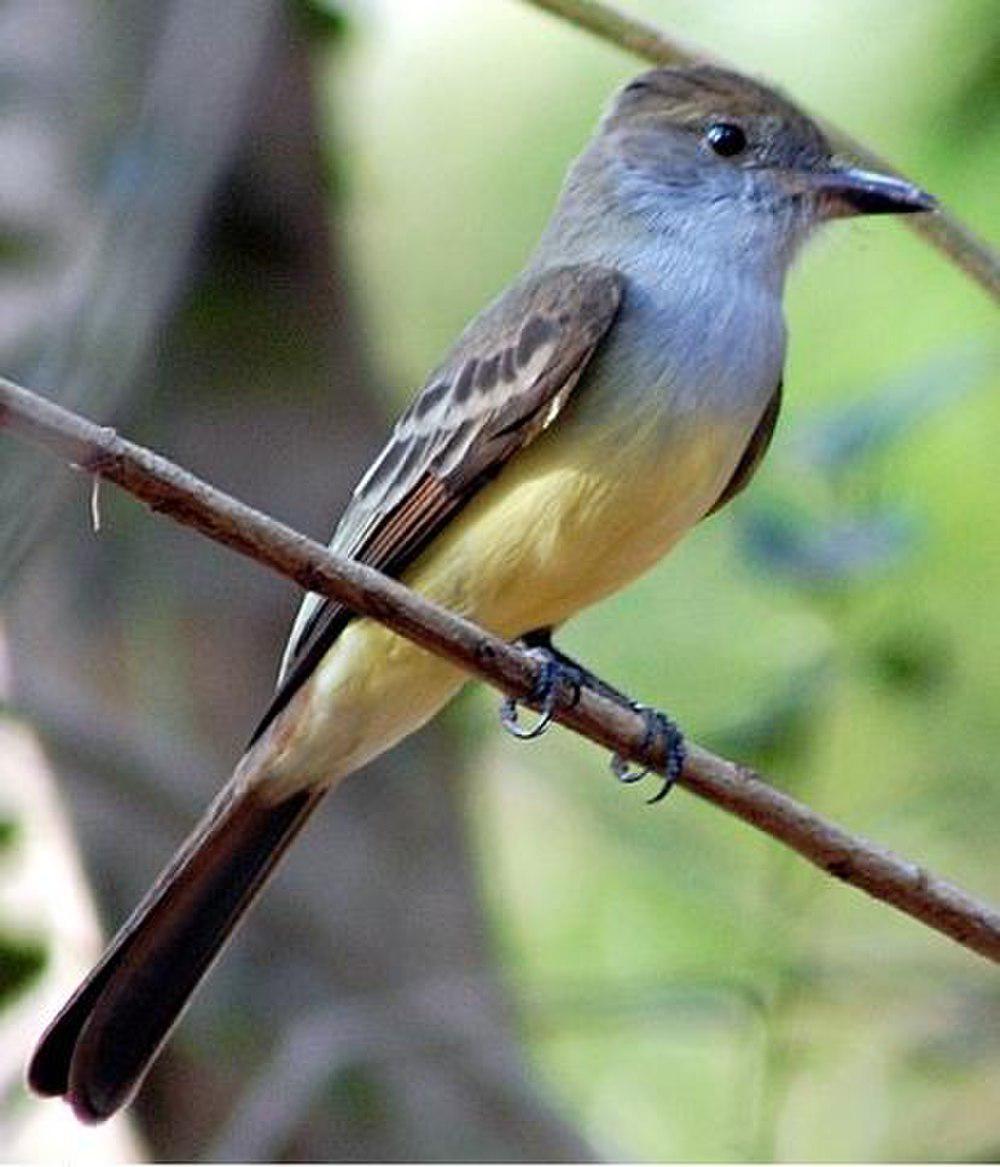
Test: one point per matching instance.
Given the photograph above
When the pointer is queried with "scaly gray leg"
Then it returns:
(561, 674)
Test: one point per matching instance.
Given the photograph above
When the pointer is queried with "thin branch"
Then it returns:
(165, 487)
(945, 231)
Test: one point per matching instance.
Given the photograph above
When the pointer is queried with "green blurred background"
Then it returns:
(682, 987)
(691, 990)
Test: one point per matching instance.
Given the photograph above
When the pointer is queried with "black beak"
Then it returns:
(862, 192)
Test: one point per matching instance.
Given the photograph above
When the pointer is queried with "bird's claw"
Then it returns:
(554, 679)
(658, 725)
(560, 681)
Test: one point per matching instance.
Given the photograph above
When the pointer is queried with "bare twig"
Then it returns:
(948, 234)
(189, 500)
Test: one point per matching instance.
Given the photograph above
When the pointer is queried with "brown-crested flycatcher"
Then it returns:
(624, 386)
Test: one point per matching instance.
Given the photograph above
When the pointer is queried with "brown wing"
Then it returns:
(753, 455)
(506, 380)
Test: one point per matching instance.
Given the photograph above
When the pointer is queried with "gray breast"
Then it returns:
(690, 341)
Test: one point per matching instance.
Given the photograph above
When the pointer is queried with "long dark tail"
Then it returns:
(98, 1049)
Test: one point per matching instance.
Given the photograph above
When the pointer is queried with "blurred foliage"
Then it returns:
(21, 961)
(324, 23)
(691, 990)
(9, 833)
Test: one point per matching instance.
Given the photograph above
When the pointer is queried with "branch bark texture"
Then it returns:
(167, 488)
(943, 230)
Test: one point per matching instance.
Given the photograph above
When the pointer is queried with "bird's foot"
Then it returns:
(558, 683)
(659, 727)
(561, 680)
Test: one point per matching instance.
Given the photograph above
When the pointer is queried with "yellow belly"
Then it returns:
(573, 518)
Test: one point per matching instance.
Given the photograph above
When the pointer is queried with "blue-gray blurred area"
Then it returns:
(243, 232)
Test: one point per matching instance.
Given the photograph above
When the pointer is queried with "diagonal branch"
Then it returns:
(165, 487)
(943, 230)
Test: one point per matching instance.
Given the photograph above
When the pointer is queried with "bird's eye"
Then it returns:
(726, 139)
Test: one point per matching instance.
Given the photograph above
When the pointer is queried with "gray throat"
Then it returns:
(701, 327)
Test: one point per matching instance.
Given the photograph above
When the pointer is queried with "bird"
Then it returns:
(623, 387)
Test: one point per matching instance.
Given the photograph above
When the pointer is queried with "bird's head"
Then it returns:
(710, 145)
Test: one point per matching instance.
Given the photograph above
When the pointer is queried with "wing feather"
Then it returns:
(507, 379)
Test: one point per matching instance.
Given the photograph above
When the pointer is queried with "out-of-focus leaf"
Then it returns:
(21, 961)
(20, 246)
(807, 551)
(9, 832)
(964, 1031)
(355, 1095)
(838, 438)
(777, 726)
(911, 659)
(975, 99)
(323, 20)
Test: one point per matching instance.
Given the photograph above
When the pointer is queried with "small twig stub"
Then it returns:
(95, 504)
